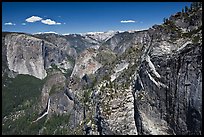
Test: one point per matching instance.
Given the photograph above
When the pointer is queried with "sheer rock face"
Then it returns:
(59, 41)
(29, 55)
(24, 55)
(172, 103)
(56, 81)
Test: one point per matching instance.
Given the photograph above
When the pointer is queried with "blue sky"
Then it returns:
(81, 17)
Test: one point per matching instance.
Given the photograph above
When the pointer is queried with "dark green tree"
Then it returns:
(186, 9)
(191, 7)
(200, 4)
(164, 20)
(182, 10)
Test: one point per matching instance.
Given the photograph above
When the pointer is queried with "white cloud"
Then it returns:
(50, 22)
(10, 23)
(127, 21)
(23, 24)
(44, 21)
(33, 19)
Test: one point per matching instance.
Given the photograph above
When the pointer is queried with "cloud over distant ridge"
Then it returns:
(44, 21)
(127, 21)
(33, 19)
(50, 22)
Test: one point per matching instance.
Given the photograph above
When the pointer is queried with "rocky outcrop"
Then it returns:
(86, 63)
(108, 111)
(191, 21)
(122, 41)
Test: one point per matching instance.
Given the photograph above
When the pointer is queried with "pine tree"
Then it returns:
(164, 20)
(186, 9)
(182, 10)
(191, 7)
(196, 5)
(200, 4)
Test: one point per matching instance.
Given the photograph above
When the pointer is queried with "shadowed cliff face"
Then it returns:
(174, 99)
(170, 73)
(170, 101)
